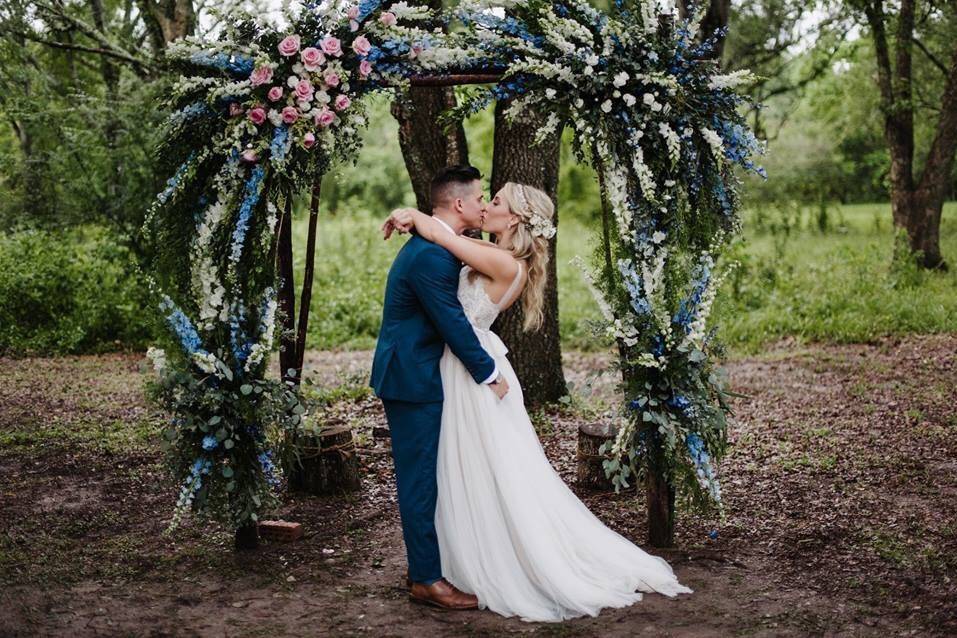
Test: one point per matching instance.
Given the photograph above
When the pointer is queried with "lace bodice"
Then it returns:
(479, 308)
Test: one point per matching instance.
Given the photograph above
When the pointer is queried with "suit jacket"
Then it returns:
(420, 315)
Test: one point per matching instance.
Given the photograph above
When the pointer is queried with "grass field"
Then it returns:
(805, 274)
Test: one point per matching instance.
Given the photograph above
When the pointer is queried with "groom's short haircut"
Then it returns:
(449, 180)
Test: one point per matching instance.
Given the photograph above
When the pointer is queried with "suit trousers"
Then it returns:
(414, 429)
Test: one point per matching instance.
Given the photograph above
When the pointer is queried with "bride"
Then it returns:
(509, 529)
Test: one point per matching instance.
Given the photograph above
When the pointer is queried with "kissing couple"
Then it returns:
(487, 522)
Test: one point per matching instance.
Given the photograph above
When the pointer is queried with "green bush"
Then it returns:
(69, 292)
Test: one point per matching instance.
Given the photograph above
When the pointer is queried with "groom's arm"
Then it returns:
(435, 281)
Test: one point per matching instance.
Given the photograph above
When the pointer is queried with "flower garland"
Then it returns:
(660, 124)
(259, 114)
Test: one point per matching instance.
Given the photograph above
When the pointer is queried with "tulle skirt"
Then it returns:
(509, 528)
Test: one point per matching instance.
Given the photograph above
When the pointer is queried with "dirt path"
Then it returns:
(840, 489)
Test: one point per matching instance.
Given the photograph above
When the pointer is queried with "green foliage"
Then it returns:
(69, 291)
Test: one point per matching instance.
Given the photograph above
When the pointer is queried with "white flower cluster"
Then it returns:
(264, 345)
(731, 80)
(157, 357)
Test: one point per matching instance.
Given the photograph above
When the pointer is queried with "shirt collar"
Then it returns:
(447, 227)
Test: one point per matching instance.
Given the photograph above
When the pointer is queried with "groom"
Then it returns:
(420, 316)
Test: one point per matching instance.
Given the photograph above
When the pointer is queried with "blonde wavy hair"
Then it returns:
(526, 201)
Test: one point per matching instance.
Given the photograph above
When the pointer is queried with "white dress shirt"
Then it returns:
(449, 228)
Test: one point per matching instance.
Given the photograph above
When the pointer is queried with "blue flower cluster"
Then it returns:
(366, 7)
(182, 327)
(279, 145)
(252, 191)
(173, 182)
(187, 113)
(210, 442)
(632, 282)
(740, 144)
(688, 308)
(236, 65)
(702, 461)
(269, 468)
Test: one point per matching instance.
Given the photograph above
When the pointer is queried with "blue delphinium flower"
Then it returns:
(269, 468)
(251, 197)
(182, 327)
(210, 442)
(236, 65)
(173, 182)
(279, 145)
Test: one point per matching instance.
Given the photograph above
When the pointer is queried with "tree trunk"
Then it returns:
(288, 356)
(715, 18)
(536, 356)
(167, 20)
(427, 147)
(660, 500)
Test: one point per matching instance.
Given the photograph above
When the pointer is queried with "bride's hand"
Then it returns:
(401, 220)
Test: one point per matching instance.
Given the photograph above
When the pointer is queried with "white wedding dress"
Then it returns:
(510, 531)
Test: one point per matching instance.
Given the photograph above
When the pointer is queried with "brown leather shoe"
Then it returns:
(442, 594)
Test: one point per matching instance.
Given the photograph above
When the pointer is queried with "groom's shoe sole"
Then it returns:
(432, 603)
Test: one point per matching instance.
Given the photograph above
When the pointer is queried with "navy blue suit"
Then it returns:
(420, 315)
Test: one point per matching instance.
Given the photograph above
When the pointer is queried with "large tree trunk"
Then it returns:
(916, 204)
(715, 18)
(536, 356)
(427, 147)
(167, 20)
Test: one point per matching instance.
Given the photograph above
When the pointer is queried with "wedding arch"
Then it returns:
(261, 115)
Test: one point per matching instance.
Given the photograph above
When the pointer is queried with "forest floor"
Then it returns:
(840, 490)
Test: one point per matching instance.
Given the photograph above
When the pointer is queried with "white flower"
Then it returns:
(579, 103)
(157, 357)
(714, 141)
(658, 237)
(648, 99)
(592, 60)
(629, 99)
(621, 79)
(292, 81)
(275, 117)
(588, 70)
(606, 106)
(550, 93)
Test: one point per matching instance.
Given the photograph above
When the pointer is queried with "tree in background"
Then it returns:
(917, 193)
(536, 356)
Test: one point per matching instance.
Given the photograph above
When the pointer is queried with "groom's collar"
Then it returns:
(447, 227)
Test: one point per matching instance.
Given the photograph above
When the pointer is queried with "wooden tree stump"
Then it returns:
(591, 473)
(329, 465)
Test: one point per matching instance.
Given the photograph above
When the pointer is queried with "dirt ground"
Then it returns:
(840, 488)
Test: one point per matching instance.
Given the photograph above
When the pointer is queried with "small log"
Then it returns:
(591, 472)
(328, 465)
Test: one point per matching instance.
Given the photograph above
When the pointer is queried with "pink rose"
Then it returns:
(325, 117)
(308, 140)
(290, 114)
(275, 94)
(353, 12)
(235, 109)
(260, 75)
(388, 18)
(331, 46)
(250, 155)
(304, 90)
(361, 46)
(342, 102)
(365, 68)
(312, 58)
(289, 45)
(331, 78)
(353, 26)
(257, 115)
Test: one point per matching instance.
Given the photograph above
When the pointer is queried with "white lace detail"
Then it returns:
(479, 307)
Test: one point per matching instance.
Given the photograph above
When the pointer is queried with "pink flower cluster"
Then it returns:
(312, 80)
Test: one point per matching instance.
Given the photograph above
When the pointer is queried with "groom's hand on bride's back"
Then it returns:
(499, 387)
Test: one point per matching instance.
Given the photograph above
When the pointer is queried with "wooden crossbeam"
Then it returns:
(455, 79)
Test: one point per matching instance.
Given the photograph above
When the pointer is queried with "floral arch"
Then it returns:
(259, 115)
